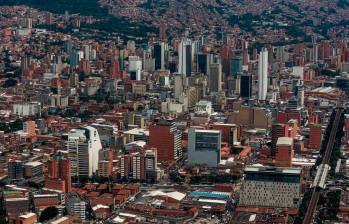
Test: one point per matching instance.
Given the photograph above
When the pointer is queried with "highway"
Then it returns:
(317, 191)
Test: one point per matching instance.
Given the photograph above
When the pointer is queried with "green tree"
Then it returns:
(48, 213)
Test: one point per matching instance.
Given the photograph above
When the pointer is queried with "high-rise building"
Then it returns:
(236, 66)
(185, 57)
(263, 74)
(135, 67)
(203, 62)
(246, 85)
(140, 165)
(284, 152)
(315, 136)
(83, 146)
(74, 58)
(166, 138)
(215, 77)
(159, 55)
(271, 187)
(59, 168)
(204, 147)
(150, 165)
(114, 71)
(105, 163)
(15, 170)
(278, 130)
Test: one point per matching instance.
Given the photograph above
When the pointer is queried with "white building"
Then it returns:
(271, 187)
(76, 206)
(135, 67)
(204, 106)
(25, 109)
(263, 74)
(204, 147)
(185, 57)
(83, 147)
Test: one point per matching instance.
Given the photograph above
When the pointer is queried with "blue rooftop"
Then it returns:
(208, 195)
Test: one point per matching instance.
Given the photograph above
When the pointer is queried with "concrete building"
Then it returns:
(215, 77)
(15, 170)
(76, 206)
(284, 152)
(185, 57)
(83, 147)
(271, 187)
(315, 137)
(166, 138)
(59, 169)
(263, 74)
(25, 109)
(278, 130)
(204, 147)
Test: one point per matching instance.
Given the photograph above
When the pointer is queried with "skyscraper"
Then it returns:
(215, 77)
(59, 168)
(246, 85)
(204, 147)
(166, 138)
(277, 131)
(185, 56)
(83, 148)
(236, 66)
(159, 55)
(263, 74)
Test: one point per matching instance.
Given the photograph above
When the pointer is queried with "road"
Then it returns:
(317, 191)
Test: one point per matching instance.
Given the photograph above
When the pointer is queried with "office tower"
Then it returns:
(68, 46)
(15, 170)
(166, 138)
(215, 77)
(150, 165)
(83, 147)
(135, 67)
(159, 55)
(271, 187)
(246, 85)
(315, 136)
(263, 74)
(236, 66)
(203, 62)
(33, 171)
(74, 58)
(277, 131)
(284, 152)
(59, 170)
(185, 57)
(178, 86)
(204, 147)
(105, 163)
